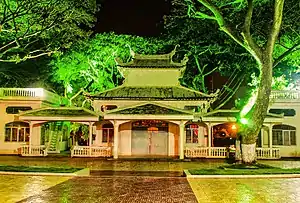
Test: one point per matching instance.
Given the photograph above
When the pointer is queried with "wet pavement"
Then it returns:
(141, 181)
(246, 190)
(108, 173)
(130, 189)
(118, 189)
(113, 165)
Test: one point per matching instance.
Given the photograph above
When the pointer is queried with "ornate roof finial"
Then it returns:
(185, 59)
(130, 50)
(174, 51)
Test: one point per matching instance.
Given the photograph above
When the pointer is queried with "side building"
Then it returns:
(16, 134)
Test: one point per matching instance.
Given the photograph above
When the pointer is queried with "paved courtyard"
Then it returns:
(137, 189)
(100, 189)
(247, 190)
(141, 181)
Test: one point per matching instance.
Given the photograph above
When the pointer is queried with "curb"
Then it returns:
(83, 172)
(189, 175)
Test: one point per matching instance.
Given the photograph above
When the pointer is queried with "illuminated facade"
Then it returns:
(149, 115)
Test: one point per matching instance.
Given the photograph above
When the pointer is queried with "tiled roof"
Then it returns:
(152, 93)
(153, 61)
(235, 113)
(151, 109)
(60, 112)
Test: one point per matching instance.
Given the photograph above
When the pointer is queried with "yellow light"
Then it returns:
(233, 127)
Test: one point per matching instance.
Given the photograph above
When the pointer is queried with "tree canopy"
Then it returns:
(34, 28)
(92, 62)
(257, 27)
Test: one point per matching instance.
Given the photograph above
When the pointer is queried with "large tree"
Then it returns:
(239, 21)
(34, 28)
(90, 64)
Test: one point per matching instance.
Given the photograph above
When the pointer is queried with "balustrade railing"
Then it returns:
(221, 152)
(86, 151)
(29, 93)
(27, 150)
(205, 152)
(285, 94)
(268, 153)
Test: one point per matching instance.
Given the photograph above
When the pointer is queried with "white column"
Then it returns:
(30, 136)
(209, 138)
(270, 136)
(181, 140)
(262, 136)
(116, 139)
(90, 136)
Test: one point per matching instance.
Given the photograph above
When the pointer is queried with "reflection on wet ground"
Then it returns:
(108, 173)
(141, 181)
(247, 190)
(118, 189)
(14, 188)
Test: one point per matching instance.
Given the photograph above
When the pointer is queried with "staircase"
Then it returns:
(53, 144)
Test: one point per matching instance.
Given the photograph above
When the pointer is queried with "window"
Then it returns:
(17, 109)
(284, 135)
(107, 133)
(108, 107)
(17, 132)
(286, 112)
(192, 108)
(191, 133)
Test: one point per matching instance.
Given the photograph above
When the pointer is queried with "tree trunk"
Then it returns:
(238, 151)
(249, 153)
(259, 111)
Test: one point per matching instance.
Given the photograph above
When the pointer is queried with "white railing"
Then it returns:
(205, 152)
(285, 94)
(29, 93)
(200, 152)
(268, 153)
(27, 150)
(86, 151)
(218, 152)
(221, 152)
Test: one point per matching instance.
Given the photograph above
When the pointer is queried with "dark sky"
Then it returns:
(138, 17)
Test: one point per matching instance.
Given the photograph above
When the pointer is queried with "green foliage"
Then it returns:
(34, 28)
(93, 61)
(78, 127)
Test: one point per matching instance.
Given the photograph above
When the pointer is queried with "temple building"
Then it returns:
(149, 115)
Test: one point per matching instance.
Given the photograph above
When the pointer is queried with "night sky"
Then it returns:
(137, 17)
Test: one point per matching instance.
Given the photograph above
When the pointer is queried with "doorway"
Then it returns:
(149, 139)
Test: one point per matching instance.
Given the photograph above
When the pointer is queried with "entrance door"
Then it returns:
(140, 142)
(158, 142)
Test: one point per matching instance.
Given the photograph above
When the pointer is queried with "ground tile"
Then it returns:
(118, 189)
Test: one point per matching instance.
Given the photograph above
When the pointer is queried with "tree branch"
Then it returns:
(225, 28)
(246, 30)
(277, 19)
(27, 57)
(211, 71)
(286, 53)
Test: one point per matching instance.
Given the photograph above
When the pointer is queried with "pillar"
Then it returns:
(209, 138)
(262, 136)
(90, 136)
(116, 139)
(30, 136)
(181, 140)
(270, 136)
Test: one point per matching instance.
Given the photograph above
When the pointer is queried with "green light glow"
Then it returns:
(244, 121)
(250, 104)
